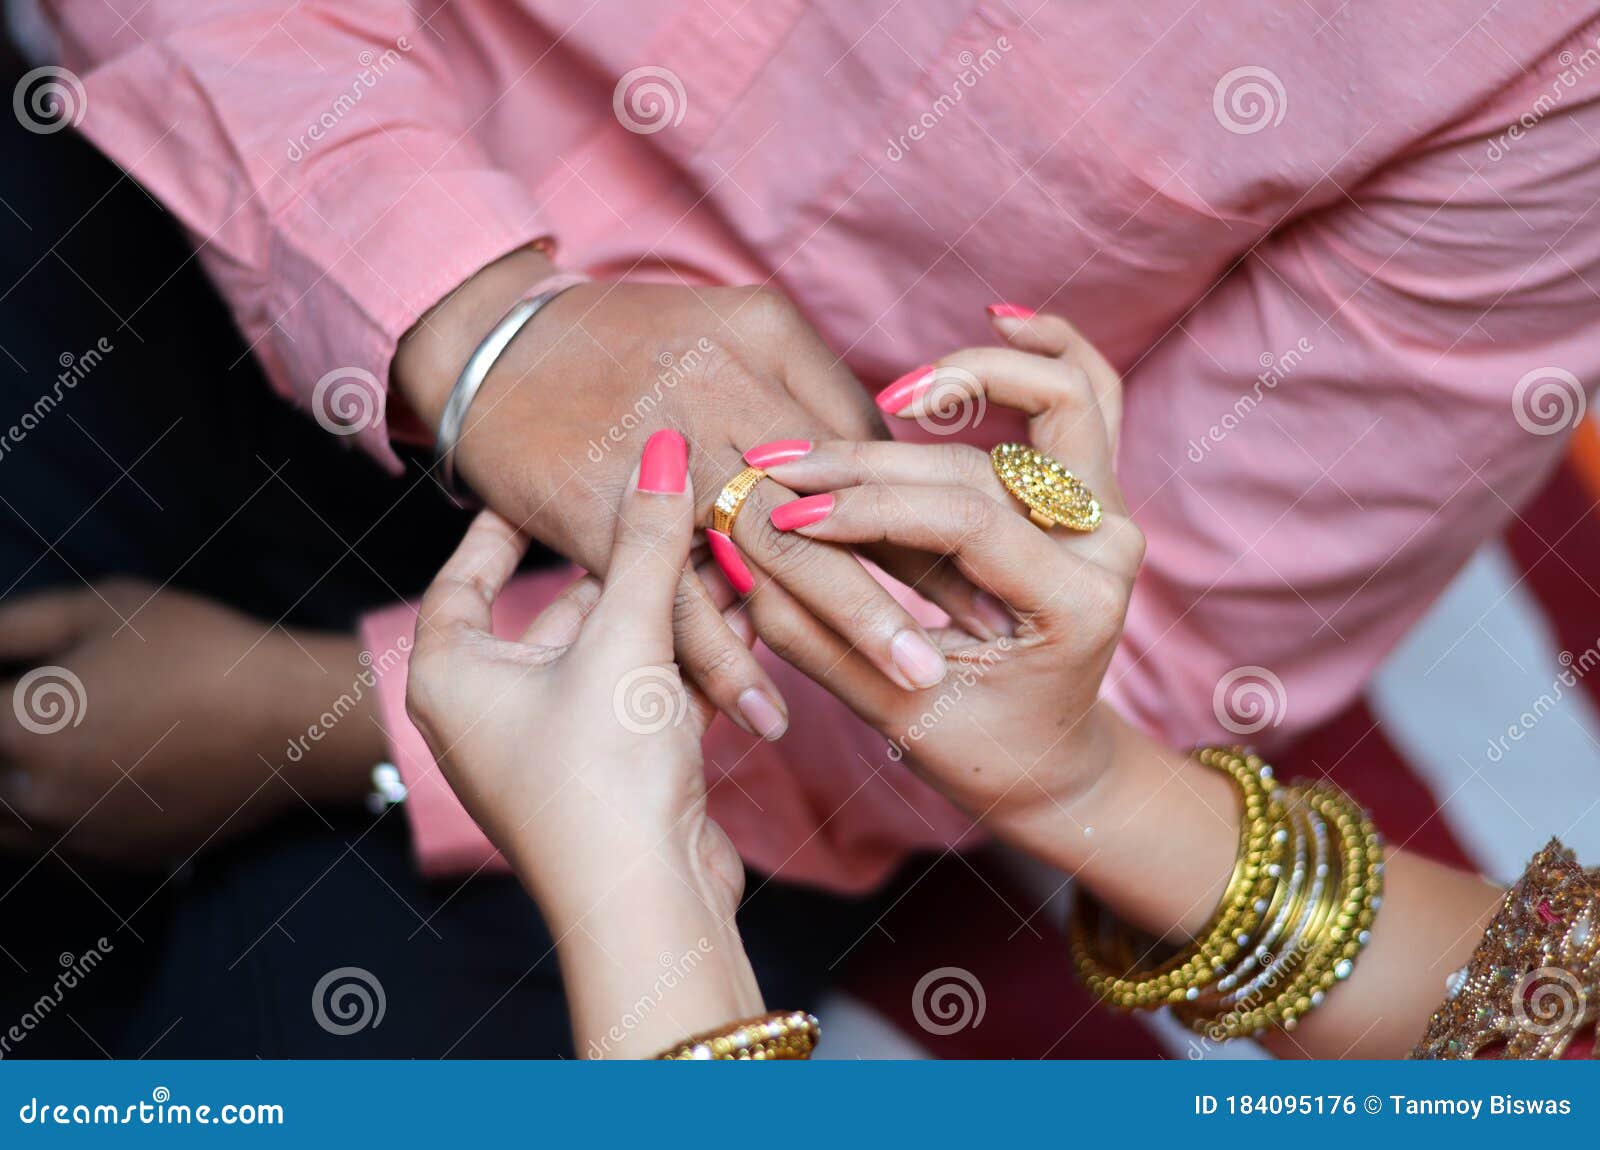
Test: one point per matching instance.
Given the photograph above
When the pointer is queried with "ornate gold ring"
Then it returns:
(1051, 493)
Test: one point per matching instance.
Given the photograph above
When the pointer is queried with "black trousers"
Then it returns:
(172, 460)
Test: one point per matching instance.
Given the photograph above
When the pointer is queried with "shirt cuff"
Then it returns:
(356, 262)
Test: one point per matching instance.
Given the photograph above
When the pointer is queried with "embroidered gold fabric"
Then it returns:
(1534, 981)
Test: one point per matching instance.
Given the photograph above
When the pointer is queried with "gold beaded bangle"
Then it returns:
(1338, 925)
(1282, 924)
(1264, 842)
(782, 1035)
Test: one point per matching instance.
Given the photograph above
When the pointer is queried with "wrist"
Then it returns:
(1069, 794)
(682, 860)
(650, 963)
(432, 353)
(327, 736)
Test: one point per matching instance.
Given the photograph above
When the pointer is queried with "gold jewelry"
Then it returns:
(1299, 938)
(1264, 842)
(769, 1037)
(1051, 493)
(1335, 929)
(731, 499)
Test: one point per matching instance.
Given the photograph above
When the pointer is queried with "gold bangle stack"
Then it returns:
(787, 1035)
(1297, 912)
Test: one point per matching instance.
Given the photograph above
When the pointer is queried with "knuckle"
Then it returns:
(784, 553)
(973, 514)
(1100, 606)
(768, 306)
(1075, 384)
(966, 464)
(784, 634)
(712, 661)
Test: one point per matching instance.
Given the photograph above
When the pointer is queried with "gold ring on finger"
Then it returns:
(725, 511)
(1051, 493)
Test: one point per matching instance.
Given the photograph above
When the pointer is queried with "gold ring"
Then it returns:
(1051, 493)
(726, 509)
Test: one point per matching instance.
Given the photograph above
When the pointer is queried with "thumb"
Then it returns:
(44, 623)
(655, 526)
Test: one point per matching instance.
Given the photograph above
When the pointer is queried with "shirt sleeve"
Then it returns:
(323, 164)
(1321, 443)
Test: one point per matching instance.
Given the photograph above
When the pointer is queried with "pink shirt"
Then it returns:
(1345, 253)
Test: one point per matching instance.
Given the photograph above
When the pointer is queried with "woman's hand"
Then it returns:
(142, 723)
(576, 746)
(551, 438)
(1016, 730)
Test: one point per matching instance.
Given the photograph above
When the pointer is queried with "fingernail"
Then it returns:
(730, 562)
(762, 714)
(664, 464)
(802, 512)
(776, 452)
(918, 659)
(903, 392)
(993, 614)
(1010, 311)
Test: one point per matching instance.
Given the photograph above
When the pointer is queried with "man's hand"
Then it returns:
(550, 440)
(145, 741)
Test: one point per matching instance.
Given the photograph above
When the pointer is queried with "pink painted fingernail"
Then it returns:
(802, 512)
(762, 714)
(1010, 311)
(776, 452)
(906, 390)
(664, 464)
(918, 659)
(730, 562)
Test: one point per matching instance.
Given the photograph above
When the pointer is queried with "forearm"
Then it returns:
(650, 965)
(1155, 839)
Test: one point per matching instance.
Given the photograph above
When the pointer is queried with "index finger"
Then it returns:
(462, 595)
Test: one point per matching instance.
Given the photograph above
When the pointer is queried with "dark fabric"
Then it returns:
(172, 460)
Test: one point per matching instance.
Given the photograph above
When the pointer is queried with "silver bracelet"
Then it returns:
(479, 364)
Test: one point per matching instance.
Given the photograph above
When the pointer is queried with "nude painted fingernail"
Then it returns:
(664, 464)
(776, 452)
(993, 614)
(1010, 311)
(918, 659)
(730, 562)
(762, 714)
(905, 391)
(802, 512)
